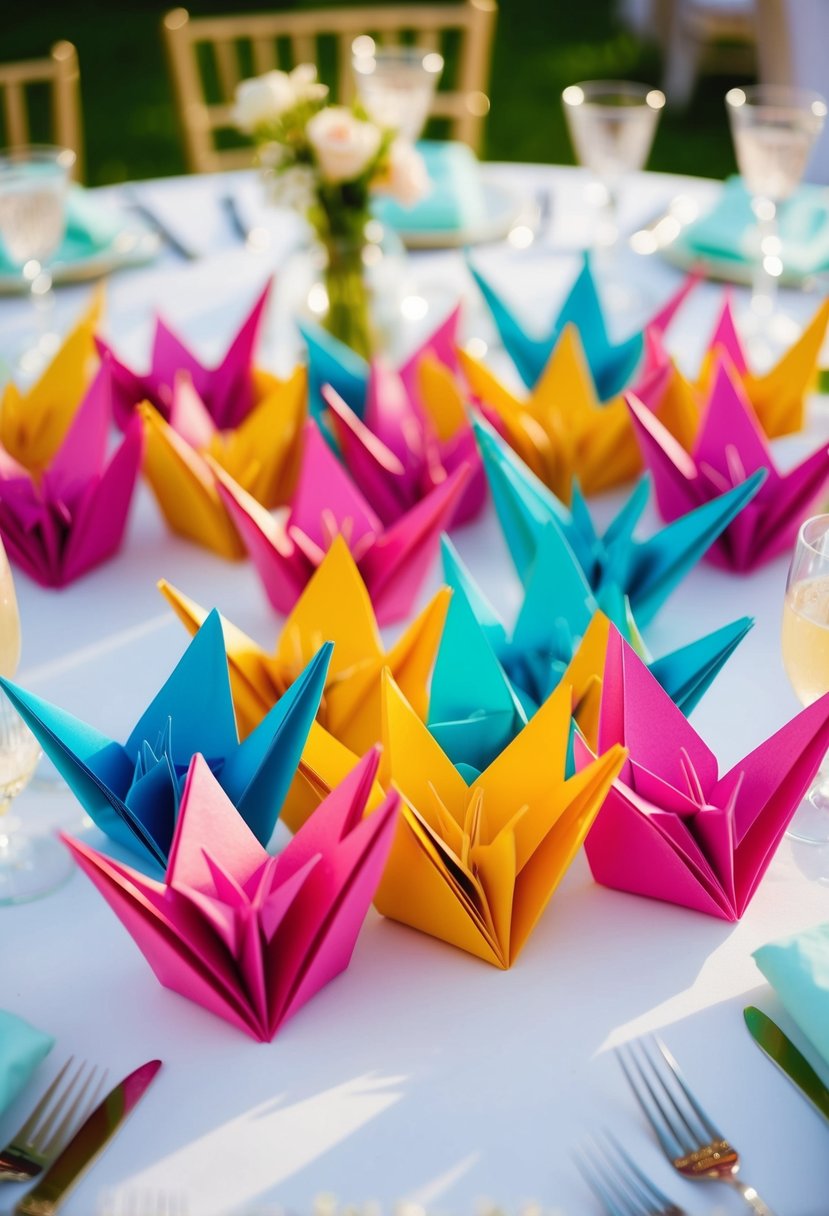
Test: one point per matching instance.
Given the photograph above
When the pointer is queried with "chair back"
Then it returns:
(60, 72)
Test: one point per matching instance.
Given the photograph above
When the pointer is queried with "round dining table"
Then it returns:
(421, 1075)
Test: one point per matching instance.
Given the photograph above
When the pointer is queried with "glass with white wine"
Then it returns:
(806, 653)
(396, 84)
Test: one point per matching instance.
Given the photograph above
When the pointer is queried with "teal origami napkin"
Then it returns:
(729, 229)
(456, 200)
(797, 968)
(22, 1048)
(646, 571)
(133, 790)
(91, 227)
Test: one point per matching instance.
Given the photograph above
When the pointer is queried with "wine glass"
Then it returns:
(774, 129)
(33, 187)
(806, 654)
(396, 83)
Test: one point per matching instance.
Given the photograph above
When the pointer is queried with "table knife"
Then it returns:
(149, 214)
(89, 1140)
(781, 1051)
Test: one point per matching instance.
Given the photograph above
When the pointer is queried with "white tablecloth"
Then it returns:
(421, 1072)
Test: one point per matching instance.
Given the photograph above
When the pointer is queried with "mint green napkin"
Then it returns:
(91, 226)
(21, 1050)
(728, 231)
(798, 969)
(456, 200)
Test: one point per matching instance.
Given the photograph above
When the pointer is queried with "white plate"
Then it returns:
(132, 246)
(503, 208)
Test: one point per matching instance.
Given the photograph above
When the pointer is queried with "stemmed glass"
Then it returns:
(396, 83)
(806, 654)
(774, 129)
(33, 187)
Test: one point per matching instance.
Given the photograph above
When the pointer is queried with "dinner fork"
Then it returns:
(687, 1136)
(62, 1109)
(619, 1184)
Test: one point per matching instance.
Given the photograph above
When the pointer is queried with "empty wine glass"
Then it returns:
(806, 654)
(396, 83)
(33, 187)
(774, 129)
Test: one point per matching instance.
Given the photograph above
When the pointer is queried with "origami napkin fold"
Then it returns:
(489, 681)
(797, 967)
(475, 864)
(671, 827)
(133, 790)
(335, 605)
(22, 1047)
(646, 571)
(729, 447)
(229, 390)
(285, 551)
(262, 454)
(611, 364)
(34, 421)
(249, 936)
(58, 524)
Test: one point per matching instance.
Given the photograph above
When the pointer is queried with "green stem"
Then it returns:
(348, 296)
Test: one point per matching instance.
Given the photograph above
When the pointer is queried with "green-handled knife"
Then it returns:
(781, 1051)
(89, 1140)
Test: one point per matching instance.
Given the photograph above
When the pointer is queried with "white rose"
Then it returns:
(343, 145)
(305, 85)
(406, 179)
(265, 98)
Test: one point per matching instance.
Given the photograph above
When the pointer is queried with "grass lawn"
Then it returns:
(540, 46)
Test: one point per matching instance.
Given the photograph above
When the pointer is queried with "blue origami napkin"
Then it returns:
(488, 681)
(456, 199)
(646, 571)
(797, 968)
(132, 791)
(22, 1048)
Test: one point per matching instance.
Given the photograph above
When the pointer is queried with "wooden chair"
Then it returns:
(719, 34)
(230, 48)
(60, 72)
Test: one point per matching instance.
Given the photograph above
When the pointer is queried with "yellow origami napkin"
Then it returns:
(475, 865)
(34, 422)
(262, 454)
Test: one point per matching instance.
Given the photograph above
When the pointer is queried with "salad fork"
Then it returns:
(619, 1184)
(688, 1138)
(62, 1109)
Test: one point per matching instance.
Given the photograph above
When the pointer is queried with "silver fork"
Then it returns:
(688, 1138)
(65, 1105)
(619, 1184)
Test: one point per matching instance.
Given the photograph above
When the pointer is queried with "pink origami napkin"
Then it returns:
(393, 561)
(228, 390)
(729, 446)
(671, 827)
(58, 524)
(249, 936)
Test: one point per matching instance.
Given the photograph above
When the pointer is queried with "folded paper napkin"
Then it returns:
(262, 454)
(58, 524)
(729, 448)
(22, 1048)
(393, 561)
(489, 681)
(645, 571)
(229, 390)
(91, 228)
(729, 229)
(611, 364)
(249, 936)
(34, 421)
(797, 967)
(475, 864)
(334, 605)
(672, 827)
(133, 790)
(456, 199)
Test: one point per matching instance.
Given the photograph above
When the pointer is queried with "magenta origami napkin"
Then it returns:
(671, 827)
(286, 551)
(58, 524)
(728, 448)
(249, 936)
(228, 390)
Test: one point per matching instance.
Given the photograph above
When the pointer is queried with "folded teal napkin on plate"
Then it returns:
(22, 1047)
(456, 200)
(729, 230)
(797, 968)
(91, 227)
